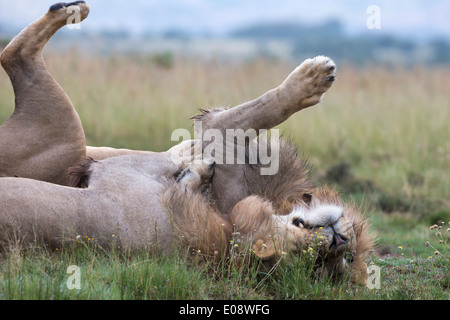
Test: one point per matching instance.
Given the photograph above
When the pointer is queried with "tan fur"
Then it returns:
(78, 176)
(144, 198)
(253, 225)
(101, 153)
(195, 223)
(253, 218)
(365, 242)
(140, 201)
(44, 135)
(288, 186)
(303, 88)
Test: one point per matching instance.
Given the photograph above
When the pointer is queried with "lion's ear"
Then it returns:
(264, 249)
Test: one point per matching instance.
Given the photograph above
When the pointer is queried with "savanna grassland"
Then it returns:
(381, 136)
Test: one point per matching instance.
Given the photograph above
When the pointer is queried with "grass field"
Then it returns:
(381, 136)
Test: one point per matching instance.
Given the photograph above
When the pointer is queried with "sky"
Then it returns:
(412, 18)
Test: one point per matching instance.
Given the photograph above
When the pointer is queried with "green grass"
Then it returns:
(405, 273)
(380, 136)
(45, 276)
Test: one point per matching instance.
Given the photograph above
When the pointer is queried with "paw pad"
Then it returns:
(61, 5)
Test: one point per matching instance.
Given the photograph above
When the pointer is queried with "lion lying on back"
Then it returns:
(148, 200)
(146, 207)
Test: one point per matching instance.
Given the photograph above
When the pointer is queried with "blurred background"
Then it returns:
(408, 32)
(137, 70)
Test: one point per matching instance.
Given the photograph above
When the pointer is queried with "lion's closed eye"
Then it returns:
(298, 222)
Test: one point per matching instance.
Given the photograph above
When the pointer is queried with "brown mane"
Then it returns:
(287, 187)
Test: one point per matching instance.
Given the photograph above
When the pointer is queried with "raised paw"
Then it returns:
(305, 86)
(70, 12)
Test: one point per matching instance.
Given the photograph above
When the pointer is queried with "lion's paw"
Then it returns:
(309, 81)
(71, 12)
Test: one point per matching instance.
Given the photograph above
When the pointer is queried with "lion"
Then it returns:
(44, 136)
(279, 214)
(55, 188)
(155, 207)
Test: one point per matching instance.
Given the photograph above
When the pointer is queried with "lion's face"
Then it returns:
(319, 222)
(323, 227)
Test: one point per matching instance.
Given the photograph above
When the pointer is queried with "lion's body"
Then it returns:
(145, 199)
(136, 198)
(44, 135)
(123, 198)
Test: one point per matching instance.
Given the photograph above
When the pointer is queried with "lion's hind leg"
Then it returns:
(23, 54)
(44, 136)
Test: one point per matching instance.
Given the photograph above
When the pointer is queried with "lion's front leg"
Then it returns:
(303, 88)
(44, 136)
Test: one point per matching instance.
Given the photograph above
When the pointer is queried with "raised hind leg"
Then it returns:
(44, 135)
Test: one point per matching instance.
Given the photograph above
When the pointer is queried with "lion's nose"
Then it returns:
(338, 240)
